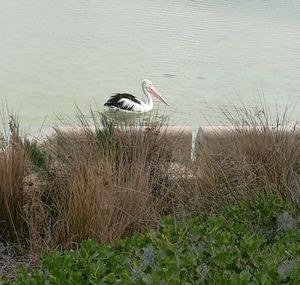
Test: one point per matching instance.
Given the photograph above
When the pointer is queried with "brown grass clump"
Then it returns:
(23, 214)
(101, 180)
(12, 199)
(107, 181)
(255, 156)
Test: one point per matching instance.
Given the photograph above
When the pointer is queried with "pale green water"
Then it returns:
(201, 55)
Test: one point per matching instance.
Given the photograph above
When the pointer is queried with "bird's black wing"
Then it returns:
(113, 102)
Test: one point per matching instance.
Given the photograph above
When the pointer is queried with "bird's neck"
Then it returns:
(148, 98)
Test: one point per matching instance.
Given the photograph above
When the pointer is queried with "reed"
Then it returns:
(105, 179)
(258, 155)
(12, 197)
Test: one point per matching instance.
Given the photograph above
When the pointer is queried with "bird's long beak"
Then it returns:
(156, 94)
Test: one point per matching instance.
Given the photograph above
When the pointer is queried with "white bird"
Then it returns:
(129, 103)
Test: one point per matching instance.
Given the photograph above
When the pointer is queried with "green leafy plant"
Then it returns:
(216, 249)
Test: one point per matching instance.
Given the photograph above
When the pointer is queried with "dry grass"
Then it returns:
(22, 211)
(12, 196)
(257, 156)
(108, 181)
(105, 181)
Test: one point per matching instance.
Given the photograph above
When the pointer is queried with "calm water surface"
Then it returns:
(201, 55)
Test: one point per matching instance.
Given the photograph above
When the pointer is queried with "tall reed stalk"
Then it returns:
(12, 198)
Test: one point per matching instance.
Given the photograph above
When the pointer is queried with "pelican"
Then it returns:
(129, 103)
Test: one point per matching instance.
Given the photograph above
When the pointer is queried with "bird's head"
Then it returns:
(147, 84)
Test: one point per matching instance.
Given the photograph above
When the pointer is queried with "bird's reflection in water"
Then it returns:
(121, 119)
(107, 118)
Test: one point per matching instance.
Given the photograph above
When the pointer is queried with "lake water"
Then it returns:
(201, 55)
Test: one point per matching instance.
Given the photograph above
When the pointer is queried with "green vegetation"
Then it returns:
(248, 244)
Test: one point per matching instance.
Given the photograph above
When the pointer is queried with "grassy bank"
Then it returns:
(112, 180)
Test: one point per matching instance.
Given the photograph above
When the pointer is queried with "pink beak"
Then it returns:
(156, 94)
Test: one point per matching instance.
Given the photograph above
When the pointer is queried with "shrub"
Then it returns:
(216, 249)
(105, 181)
(254, 156)
(12, 196)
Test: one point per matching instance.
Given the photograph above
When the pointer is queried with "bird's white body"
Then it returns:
(141, 107)
(128, 103)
